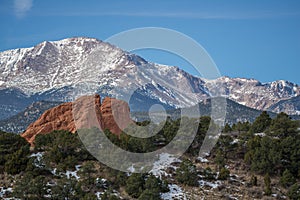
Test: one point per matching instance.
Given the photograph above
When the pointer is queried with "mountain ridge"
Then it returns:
(65, 69)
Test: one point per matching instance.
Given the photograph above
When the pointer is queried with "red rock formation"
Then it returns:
(87, 111)
(115, 115)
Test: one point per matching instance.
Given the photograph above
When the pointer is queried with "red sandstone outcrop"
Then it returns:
(115, 115)
(112, 114)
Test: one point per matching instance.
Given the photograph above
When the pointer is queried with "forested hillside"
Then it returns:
(259, 160)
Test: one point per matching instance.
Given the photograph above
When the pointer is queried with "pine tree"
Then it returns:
(187, 173)
(294, 192)
(227, 128)
(282, 126)
(287, 179)
(224, 174)
(267, 180)
(220, 159)
(135, 185)
(261, 123)
(86, 172)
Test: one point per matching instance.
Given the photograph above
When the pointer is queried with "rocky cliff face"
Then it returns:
(115, 115)
(112, 114)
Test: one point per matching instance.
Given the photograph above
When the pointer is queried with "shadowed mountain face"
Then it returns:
(234, 112)
(66, 69)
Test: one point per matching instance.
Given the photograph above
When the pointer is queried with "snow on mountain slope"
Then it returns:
(62, 70)
(254, 94)
(84, 62)
(57, 64)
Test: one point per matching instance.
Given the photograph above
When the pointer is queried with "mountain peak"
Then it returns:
(75, 41)
(60, 68)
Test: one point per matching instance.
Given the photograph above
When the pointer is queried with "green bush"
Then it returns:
(150, 195)
(17, 161)
(261, 123)
(187, 173)
(287, 179)
(282, 126)
(62, 149)
(224, 174)
(14, 151)
(267, 181)
(294, 192)
(135, 185)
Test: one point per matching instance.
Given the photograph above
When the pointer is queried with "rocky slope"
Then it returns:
(112, 114)
(66, 69)
(254, 94)
(290, 106)
(19, 122)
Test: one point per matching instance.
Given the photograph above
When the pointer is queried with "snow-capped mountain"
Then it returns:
(62, 63)
(63, 70)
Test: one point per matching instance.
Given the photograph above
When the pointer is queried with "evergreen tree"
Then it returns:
(263, 155)
(17, 162)
(224, 174)
(220, 159)
(261, 123)
(86, 172)
(67, 189)
(187, 173)
(294, 192)
(282, 126)
(31, 187)
(14, 152)
(287, 179)
(227, 128)
(149, 195)
(267, 180)
(135, 185)
(289, 148)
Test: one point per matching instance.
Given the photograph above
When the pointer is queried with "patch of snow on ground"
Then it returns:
(4, 191)
(175, 193)
(202, 160)
(102, 183)
(165, 161)
(235, 141)
(73, 173)
(54, 171)
(68, 173)
(203, 183)
(260, 134)
(233, 198)
(38, 161)
(99, 194)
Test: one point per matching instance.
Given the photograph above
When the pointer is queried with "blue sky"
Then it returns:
(253, 39)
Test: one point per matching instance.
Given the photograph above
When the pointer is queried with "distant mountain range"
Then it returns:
(62, 70)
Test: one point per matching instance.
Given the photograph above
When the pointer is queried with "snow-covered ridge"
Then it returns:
(61, 63)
